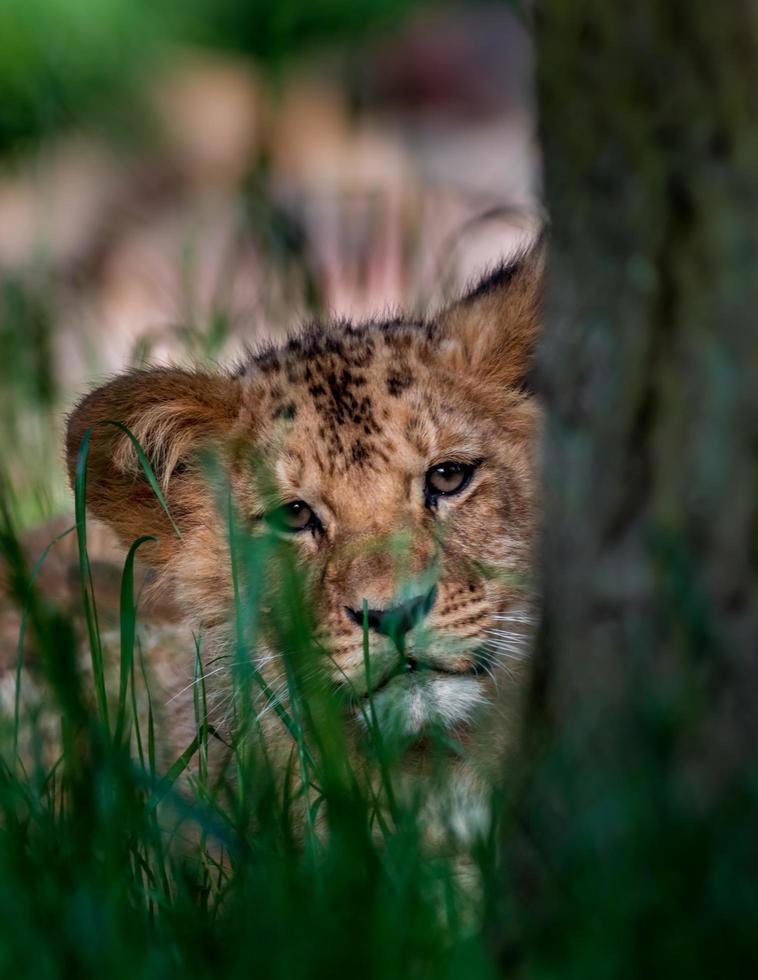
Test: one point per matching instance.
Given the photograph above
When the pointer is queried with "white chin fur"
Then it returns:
(412, 702)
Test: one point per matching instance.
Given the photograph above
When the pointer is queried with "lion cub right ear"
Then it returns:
(172, 414)
(491, 333)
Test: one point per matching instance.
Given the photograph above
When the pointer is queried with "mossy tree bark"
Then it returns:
(634, 851)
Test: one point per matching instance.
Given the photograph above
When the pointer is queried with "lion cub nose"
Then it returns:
(397, 620)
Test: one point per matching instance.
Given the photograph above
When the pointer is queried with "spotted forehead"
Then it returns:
(352, 385)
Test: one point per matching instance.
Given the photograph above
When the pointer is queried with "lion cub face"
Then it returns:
(398, 462)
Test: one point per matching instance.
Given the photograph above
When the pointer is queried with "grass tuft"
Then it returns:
(148, 867)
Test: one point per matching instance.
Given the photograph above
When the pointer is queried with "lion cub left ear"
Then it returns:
(492, 332)
(172, 414)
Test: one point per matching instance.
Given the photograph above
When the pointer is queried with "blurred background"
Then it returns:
(178, 180)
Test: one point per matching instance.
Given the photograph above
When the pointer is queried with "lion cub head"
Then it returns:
(399, 462)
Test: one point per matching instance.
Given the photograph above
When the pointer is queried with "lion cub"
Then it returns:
(424, 430)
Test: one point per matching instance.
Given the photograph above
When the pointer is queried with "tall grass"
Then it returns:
(115, 863)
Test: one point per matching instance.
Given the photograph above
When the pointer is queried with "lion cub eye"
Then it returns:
(446, 479)
(294, 517)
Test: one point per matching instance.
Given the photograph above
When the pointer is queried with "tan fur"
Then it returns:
(349, 419)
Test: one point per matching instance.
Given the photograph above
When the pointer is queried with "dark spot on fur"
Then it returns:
(399, 380)
(268, 362)
(362, 356)
(287, 411)
(390, 326)
(402, 341)
(360, 453)
(294, 372)
(331, 364)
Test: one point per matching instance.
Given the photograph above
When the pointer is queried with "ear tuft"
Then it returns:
(492, 331)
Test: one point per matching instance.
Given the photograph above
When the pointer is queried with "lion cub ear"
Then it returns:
(492, 331)
(172, 414)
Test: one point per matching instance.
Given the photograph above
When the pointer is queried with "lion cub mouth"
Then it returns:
(413, 665)
(419, 695)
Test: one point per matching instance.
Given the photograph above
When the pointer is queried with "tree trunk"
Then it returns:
(636, 852)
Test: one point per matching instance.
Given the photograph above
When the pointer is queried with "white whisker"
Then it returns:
(196, 681)
(516, 651)
(516, 616)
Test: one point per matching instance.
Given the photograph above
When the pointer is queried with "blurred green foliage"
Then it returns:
(275, 29)
(68, 63)
(26, 368)
(29, 396)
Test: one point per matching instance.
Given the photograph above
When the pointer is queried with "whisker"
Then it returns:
(516, 617)
(194, 682)
(272, 703)
(508, 640)
(490, 673)
(510, 634)
(515, 651)
(508, 664)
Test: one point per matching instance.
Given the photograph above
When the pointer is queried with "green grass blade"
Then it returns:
(128, 623)
(148, 470)
(177, 769)
(243, 649)
(135, 716)
(85, 574)
(376, 731)
(200, 706)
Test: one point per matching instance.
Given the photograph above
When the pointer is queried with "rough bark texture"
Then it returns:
(637, 853)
